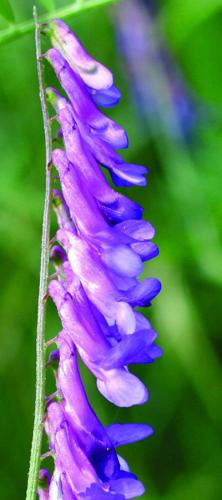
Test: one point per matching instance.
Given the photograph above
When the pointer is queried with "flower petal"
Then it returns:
(129, 487)
(135, 348)
(138, 230)
(145, 249)
(121, 434)
(128, 175)
(142, 294)
(122, 388)
(106, 98)
(122, 260)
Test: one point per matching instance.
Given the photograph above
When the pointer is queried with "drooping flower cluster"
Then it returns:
(102, 243)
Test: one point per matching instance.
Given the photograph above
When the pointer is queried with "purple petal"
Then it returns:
(123, 464)
(121, 209)
(145, 249)
(142, 323)
(123, 283)
(138, 230)
(155, 351)
(122, 388)
(55, 490)
(128, 487)
(67, 493)
(121, 434)
(128, 175)
(142, 294)
(122, 260)
(135, 348)
(106, 98)
(125, 318)
(97, 493)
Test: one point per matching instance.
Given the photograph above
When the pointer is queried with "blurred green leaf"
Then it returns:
(182, 17)
(48, 4)
(76, 8)
(6, 11)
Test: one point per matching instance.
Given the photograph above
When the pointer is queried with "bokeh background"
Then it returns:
(166, 56)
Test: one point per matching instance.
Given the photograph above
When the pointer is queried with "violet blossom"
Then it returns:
(102, 243)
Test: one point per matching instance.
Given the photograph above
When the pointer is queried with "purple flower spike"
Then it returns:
(100, 246)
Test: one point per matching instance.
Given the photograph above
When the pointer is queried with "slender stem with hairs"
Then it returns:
(43, 284)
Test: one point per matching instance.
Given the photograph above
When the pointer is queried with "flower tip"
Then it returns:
(57, 199)
(57, 255)
(57, 26)
(53, 359)
(44, 478)
(54, 57)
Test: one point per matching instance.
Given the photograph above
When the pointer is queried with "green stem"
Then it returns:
(43, 285)
(17, 30)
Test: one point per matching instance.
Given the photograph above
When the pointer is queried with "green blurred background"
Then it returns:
(183, 200)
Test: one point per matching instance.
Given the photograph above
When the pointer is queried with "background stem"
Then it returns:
(43, 285)
(17, 30)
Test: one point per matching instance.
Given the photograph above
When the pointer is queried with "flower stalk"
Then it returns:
(43, 285)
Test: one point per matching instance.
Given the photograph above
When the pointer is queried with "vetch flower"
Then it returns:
(98, 254)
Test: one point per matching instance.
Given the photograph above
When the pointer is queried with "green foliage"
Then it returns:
(48, 4)
(183, 200)
(6, 11)
(76, 8)
(192, 13)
